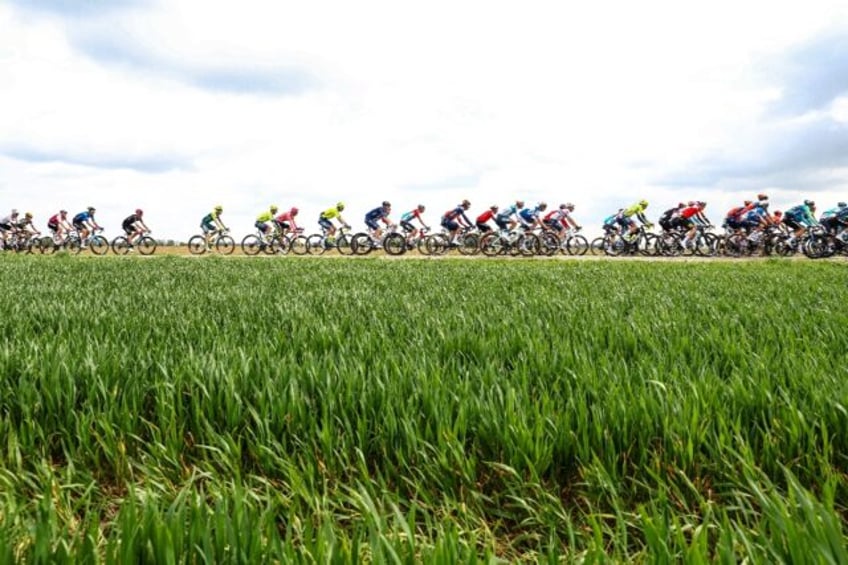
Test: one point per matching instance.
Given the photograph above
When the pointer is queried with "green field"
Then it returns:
(220, 410)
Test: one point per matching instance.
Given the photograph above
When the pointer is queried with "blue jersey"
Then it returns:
(610, 220)
(529, 215)
(82, 217)
(376, 214)
(755, 216)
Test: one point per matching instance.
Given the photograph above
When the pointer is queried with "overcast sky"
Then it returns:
(177, 105)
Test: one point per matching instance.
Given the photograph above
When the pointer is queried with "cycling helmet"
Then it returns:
(643, 203)
(14, 211)
(810, 203)
(701, 203)
(842, 205)
(92, 209)
(691, 203)
(340, 206)
(542, 205)
(762, 196)
(569, 205)
(219, 208)
(493, 207)
(466, 204)
(28, 215)
(387, 204)
(681, 205)
(273, 209)
(747, 202)
(63, 212)
(293, 211)
(139, 212)
(519, 203)
(420, 207)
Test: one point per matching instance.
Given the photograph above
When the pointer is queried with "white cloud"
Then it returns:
(431, 102)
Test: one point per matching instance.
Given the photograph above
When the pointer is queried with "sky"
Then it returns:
(176, 106)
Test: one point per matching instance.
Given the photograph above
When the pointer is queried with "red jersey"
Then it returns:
(485, 217)
(690, 211)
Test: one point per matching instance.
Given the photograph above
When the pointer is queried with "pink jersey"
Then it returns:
(287, 218)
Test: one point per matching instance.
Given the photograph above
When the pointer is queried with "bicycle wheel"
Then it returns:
(597, 246)
(421, 245)
(146, 245)
(197, 245)
(99, 245)
(437, 244)
(529, 244)
(344, 244)
(225, 245)
(252, 245)
(299, 245)
(120, 246)
(48, 246)
(577, 245)
(549, 242)
(315, 244)
(491, 245)
(394, 244)
(469, 244)
(362, 244)
(707, 245)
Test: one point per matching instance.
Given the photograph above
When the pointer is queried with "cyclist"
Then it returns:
(831, 220)
(690, 218)
(507, 219)
(668, 219)
(380, 213)
(324, 220)
(455, 218)
(733, 219)
(26, 227)
(408, 226)
(84, 222)
(7, 225)
(798, 218)
(285, 221)
(482, 221)
(560, 219)
(134, 226)
(59, 225)
(263, 220)
(212, 223)
(625, 218)
(531, 219)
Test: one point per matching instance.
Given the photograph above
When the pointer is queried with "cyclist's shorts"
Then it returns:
(261, 226)
(372, 224)
(625, 222)
(207, 227)
(325, 223)
(792, 222)
(79, 225)
(610, 228)
(129, 227)
(407, 227)
(483, 227)
(283, 226)
(732, 222)
(54, 227)
(5, 227)
(555, 225)
(502, 223)
(450, 225)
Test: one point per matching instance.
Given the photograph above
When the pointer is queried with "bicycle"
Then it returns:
(271, 244)
(642, 242)
(392, 242)
(98, 244)
(145, 244)
(221, 241)
(319, 243)
(514, 242)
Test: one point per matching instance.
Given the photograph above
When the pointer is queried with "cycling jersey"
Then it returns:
(7, 221)
(264, 217)
(411, 215)
(376, 214)
(635, 210)
(209, 218)
(485, 217)
(529, 215)
(330, 213)
(131, 219)
(508, 212)
(611, 220)
(556, 216)
(690, 211)
(287, 218)
(55, 219)
(802, 214)
(83, 217)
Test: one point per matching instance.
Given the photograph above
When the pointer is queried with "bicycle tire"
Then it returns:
(225, 245)
(299, 245)
(120, 245)
(197, 245)
(469, 244)
(99, 245)
(491, 245)
(529, 244)
(146, 245)
(707, 245)
(344, 244)
(251, 245)
(549, 242)
(316, 244)
(437, 244)
(362, 244)
(577, 245)
(394, 244)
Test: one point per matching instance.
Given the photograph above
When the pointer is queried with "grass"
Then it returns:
(169, 409)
